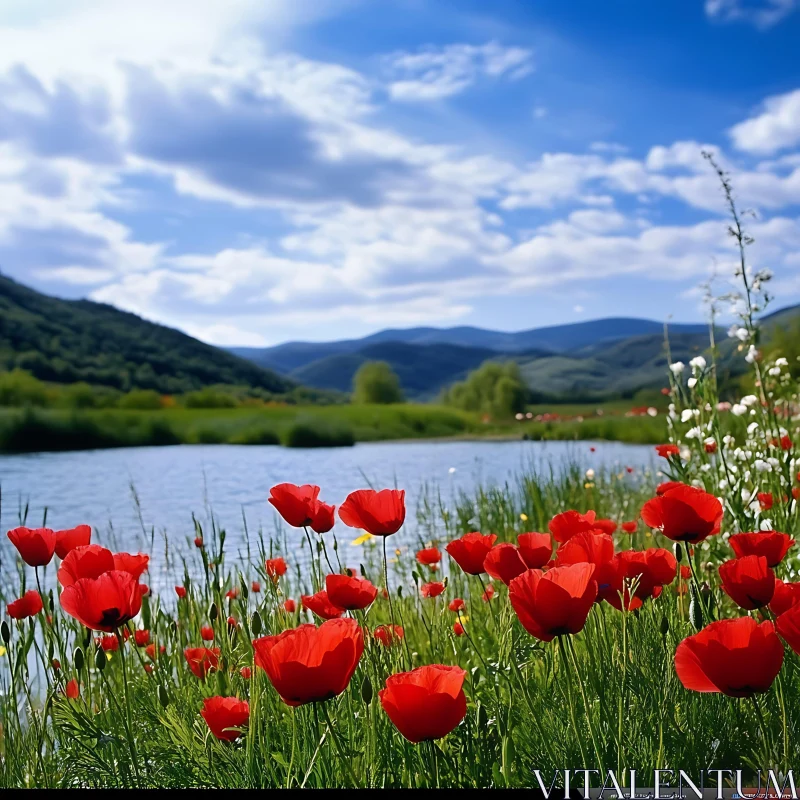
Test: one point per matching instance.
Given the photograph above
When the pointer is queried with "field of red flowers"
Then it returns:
(607, 621)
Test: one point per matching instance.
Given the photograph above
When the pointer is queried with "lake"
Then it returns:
(95, 487)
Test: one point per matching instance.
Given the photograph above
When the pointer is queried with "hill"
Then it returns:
(423, 369)
(77, 340)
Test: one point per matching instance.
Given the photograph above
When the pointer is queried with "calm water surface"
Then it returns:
(95, 487)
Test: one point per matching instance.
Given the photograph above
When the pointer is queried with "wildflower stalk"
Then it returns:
(571, 648)
(127, 720)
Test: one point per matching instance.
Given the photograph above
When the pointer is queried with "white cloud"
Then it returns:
(775, 128)
(433, 73)
(761, 13)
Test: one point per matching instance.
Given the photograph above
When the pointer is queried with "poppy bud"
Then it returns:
(5, 632)
(212, 612)
(664, 625)
(245, 591)
(163, 697)
(678, 552)
(366, 690)
(256, 625)
(78, 659)
(335, 545)
(100, 659)
(695, 611)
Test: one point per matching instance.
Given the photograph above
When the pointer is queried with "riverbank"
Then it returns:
(35, 430)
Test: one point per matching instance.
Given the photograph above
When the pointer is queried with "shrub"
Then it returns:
(311, 432)
(376, 382)
(140, 400)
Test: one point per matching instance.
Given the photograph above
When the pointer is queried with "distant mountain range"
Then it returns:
(594, 358)
(65, 341)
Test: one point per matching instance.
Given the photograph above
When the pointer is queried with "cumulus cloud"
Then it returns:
(761, 13)
(433, 73)
(775, 128)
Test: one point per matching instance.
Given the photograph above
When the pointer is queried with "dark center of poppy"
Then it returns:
(111, 617)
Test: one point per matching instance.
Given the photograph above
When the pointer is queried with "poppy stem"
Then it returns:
(315, 572)
(386, 584)
(434, 763)
(339, 749)
(294, 742)
(127, 716)
(570, 702)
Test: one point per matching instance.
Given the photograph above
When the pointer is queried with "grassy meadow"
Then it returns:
(31, 430)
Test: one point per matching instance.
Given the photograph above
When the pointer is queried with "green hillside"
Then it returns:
(65, 341)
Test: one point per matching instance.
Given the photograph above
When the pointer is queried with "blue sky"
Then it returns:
(254, 171)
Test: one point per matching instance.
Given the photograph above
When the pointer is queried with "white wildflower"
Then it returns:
(677, 367)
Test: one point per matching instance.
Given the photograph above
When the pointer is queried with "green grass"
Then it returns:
(300, 426)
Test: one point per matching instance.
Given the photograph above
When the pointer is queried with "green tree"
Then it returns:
(376, 382)
(495, 388)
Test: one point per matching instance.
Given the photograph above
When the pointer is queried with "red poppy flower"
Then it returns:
(103, 603)
(710, 447)
(350, 593)
(386, 636)
(321, 605)
(275, 567)
(606, 525)
(180, 591)
(56, 664)
(246, 673)
(35, 545)
(309, 664)
(88, 561)
(737, 657)
(28, 605)
(73, 690)
(630, 527)
(785, 443)
(198, 542)
(141, 638)
(535, 549)
(488, 593)
(456, 605)
(301, 508)
(765, 500)
(255, 587)
(289, 605)
(504, 563)
(148, 668)
(68, 540)
(232, 623)
(429, 556)
(431, 589)
(686, 572)
(233, 593)
(109, 644)
(786, 596)
(224, 716)
(135, 564)
(379, 513)
(788, 624)
(207, 633)
(649, 570)
(555, 602)
(748, 581)
(426, 703)
(202, 660)
(150, 651)
(771, 544)
(667, 450)
(470, 551)
(458, 629)
(684, 514)
(570, 523)
(662, 488)
(592, 548)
